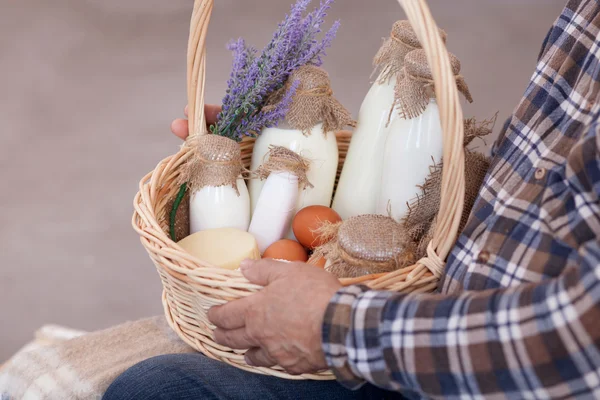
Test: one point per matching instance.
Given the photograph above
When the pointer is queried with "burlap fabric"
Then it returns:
(415, 85)
(363, 245)
(313, 102)
(217, 161)
(281, 159)
(182, 217)
(390, 57)
(419, 222)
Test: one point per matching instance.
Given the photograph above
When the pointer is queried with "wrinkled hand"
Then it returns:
(280, 325)
(180, 126)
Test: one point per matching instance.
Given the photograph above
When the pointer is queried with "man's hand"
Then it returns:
(180, 126)
(281, 325)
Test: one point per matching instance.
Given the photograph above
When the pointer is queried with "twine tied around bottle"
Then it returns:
(363, 245)
(390, 57)
(217, 161)
(313, 102)
(415, 86)
(281, 159)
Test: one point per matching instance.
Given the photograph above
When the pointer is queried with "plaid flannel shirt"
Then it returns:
(518, 313)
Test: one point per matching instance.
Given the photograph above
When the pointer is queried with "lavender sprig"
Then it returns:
(269, 118)
(243, 57)
(254, 78)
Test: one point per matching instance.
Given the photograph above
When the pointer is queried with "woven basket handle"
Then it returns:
(453, 175)
(196, 66)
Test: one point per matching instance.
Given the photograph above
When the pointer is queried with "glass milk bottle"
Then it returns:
(412, 146)
(219, 197)
(272, 218)
(284, 173)
(309, 130)
(360, 181)
(415, 141)
(318, 147)
(214, 207)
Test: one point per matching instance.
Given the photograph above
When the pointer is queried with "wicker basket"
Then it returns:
(192, 286)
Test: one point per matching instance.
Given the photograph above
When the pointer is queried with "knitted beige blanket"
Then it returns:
(84, 367)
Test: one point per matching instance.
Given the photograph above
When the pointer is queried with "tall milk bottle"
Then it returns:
(360, 182)
(415, 141)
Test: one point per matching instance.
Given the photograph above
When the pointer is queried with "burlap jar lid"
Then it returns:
(217, 161)
(313, 102)
(363, 245)
(281, 159)
(371, 238)
(390, 57)
(415, 86)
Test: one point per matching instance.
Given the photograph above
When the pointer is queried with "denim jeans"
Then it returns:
(194, 376)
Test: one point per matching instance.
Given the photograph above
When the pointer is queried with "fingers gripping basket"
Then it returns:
(192, 286)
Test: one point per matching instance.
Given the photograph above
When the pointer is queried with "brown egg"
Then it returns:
(286, 249)
(308, 220)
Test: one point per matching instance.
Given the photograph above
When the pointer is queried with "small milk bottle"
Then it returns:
(284, 173)
(219, 197)
(415, 141)
(309, 130)
(360, 181)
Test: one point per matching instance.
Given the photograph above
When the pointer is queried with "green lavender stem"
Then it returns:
(173, 215)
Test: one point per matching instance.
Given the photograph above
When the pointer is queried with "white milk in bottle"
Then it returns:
(284, 172)
(214, 207)
(412, 146)
(219, 197)
(415, 141)
(360, 182)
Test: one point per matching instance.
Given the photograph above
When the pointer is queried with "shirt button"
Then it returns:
(483, 257)
(540, 173)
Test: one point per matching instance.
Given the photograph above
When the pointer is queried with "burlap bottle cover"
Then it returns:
(281, 159)
(415, 86)
(313, 102)
(217, 161)
(363, 245)
(390, 57)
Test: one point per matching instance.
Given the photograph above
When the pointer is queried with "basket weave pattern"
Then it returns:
(192, 286)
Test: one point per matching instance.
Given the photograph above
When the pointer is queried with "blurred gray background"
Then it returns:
(88, 89)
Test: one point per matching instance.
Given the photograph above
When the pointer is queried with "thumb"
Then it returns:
(263, 272)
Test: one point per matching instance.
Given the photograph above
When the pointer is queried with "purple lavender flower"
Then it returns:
(253, 78)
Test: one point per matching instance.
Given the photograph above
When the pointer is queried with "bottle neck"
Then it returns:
(286, 176)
